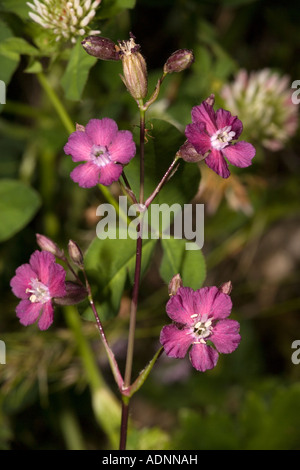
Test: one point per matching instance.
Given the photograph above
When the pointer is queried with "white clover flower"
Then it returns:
(262, 100)
(66, 19)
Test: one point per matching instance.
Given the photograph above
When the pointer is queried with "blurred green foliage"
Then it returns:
(56, 388)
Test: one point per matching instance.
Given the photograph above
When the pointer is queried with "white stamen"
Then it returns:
(201, 329)
(39, 292)
(222, 137)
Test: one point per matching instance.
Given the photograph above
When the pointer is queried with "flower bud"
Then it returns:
(175, 284)
(134, 69)
(210, 100)
(75, 293)
(46, 244)
(188, 153)
(226, 287)
(75, 253)
(80, 127)
(102, 48)
(179, 61)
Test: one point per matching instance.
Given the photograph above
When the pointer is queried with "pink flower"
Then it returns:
(37, 283)
(105, 150)
(200, 320)
(214, 132)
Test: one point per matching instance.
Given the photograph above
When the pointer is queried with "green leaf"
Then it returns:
(110, 8)
(190, 264)
(144, 373)
(77, 71)
(19, 7)
(108, 264)
(13, 47)
(164, 140)
(34, 67)
(7, 68)
(18, 205)
(8, 65)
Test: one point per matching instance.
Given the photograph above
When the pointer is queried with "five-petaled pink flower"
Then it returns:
(105, 150)
(37, 283)
(214, 132)
(200, 321)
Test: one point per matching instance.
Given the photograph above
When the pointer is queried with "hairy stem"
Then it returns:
(112, 361)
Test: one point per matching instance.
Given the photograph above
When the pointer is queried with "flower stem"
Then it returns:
(165, 178)
(142, 150)
(124, 424)
(155, 94)
(112, 361)
(61, 111)
(135, 293)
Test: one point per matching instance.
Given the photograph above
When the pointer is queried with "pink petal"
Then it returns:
(122, 149)
(239, 154)
(224, 119)
(203, 357)
(47, 316)
(40, 262)
(21, 281)
(225, 336)
(212, 303)
(86, 175)
(56, 284)
(102, 131)
(110, 173)
(28, 312)
(205, 113)
(181, 306)
(198, 137)
(175, 342)
(217, 163)
(79, 146)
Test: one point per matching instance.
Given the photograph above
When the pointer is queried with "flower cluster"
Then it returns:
(37, 283)
(103, 148)
(212, 134)
(200, 326)
(262, 99)
(66, 19)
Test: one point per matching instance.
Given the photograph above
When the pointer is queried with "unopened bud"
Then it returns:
(80, 127)
(134, 69)
(102, 48)
(179, 61)
(46, 244)
(175, 284)
(75, 293)
(188, 153)
(226, 288)
(75, 253)
(210, 100)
